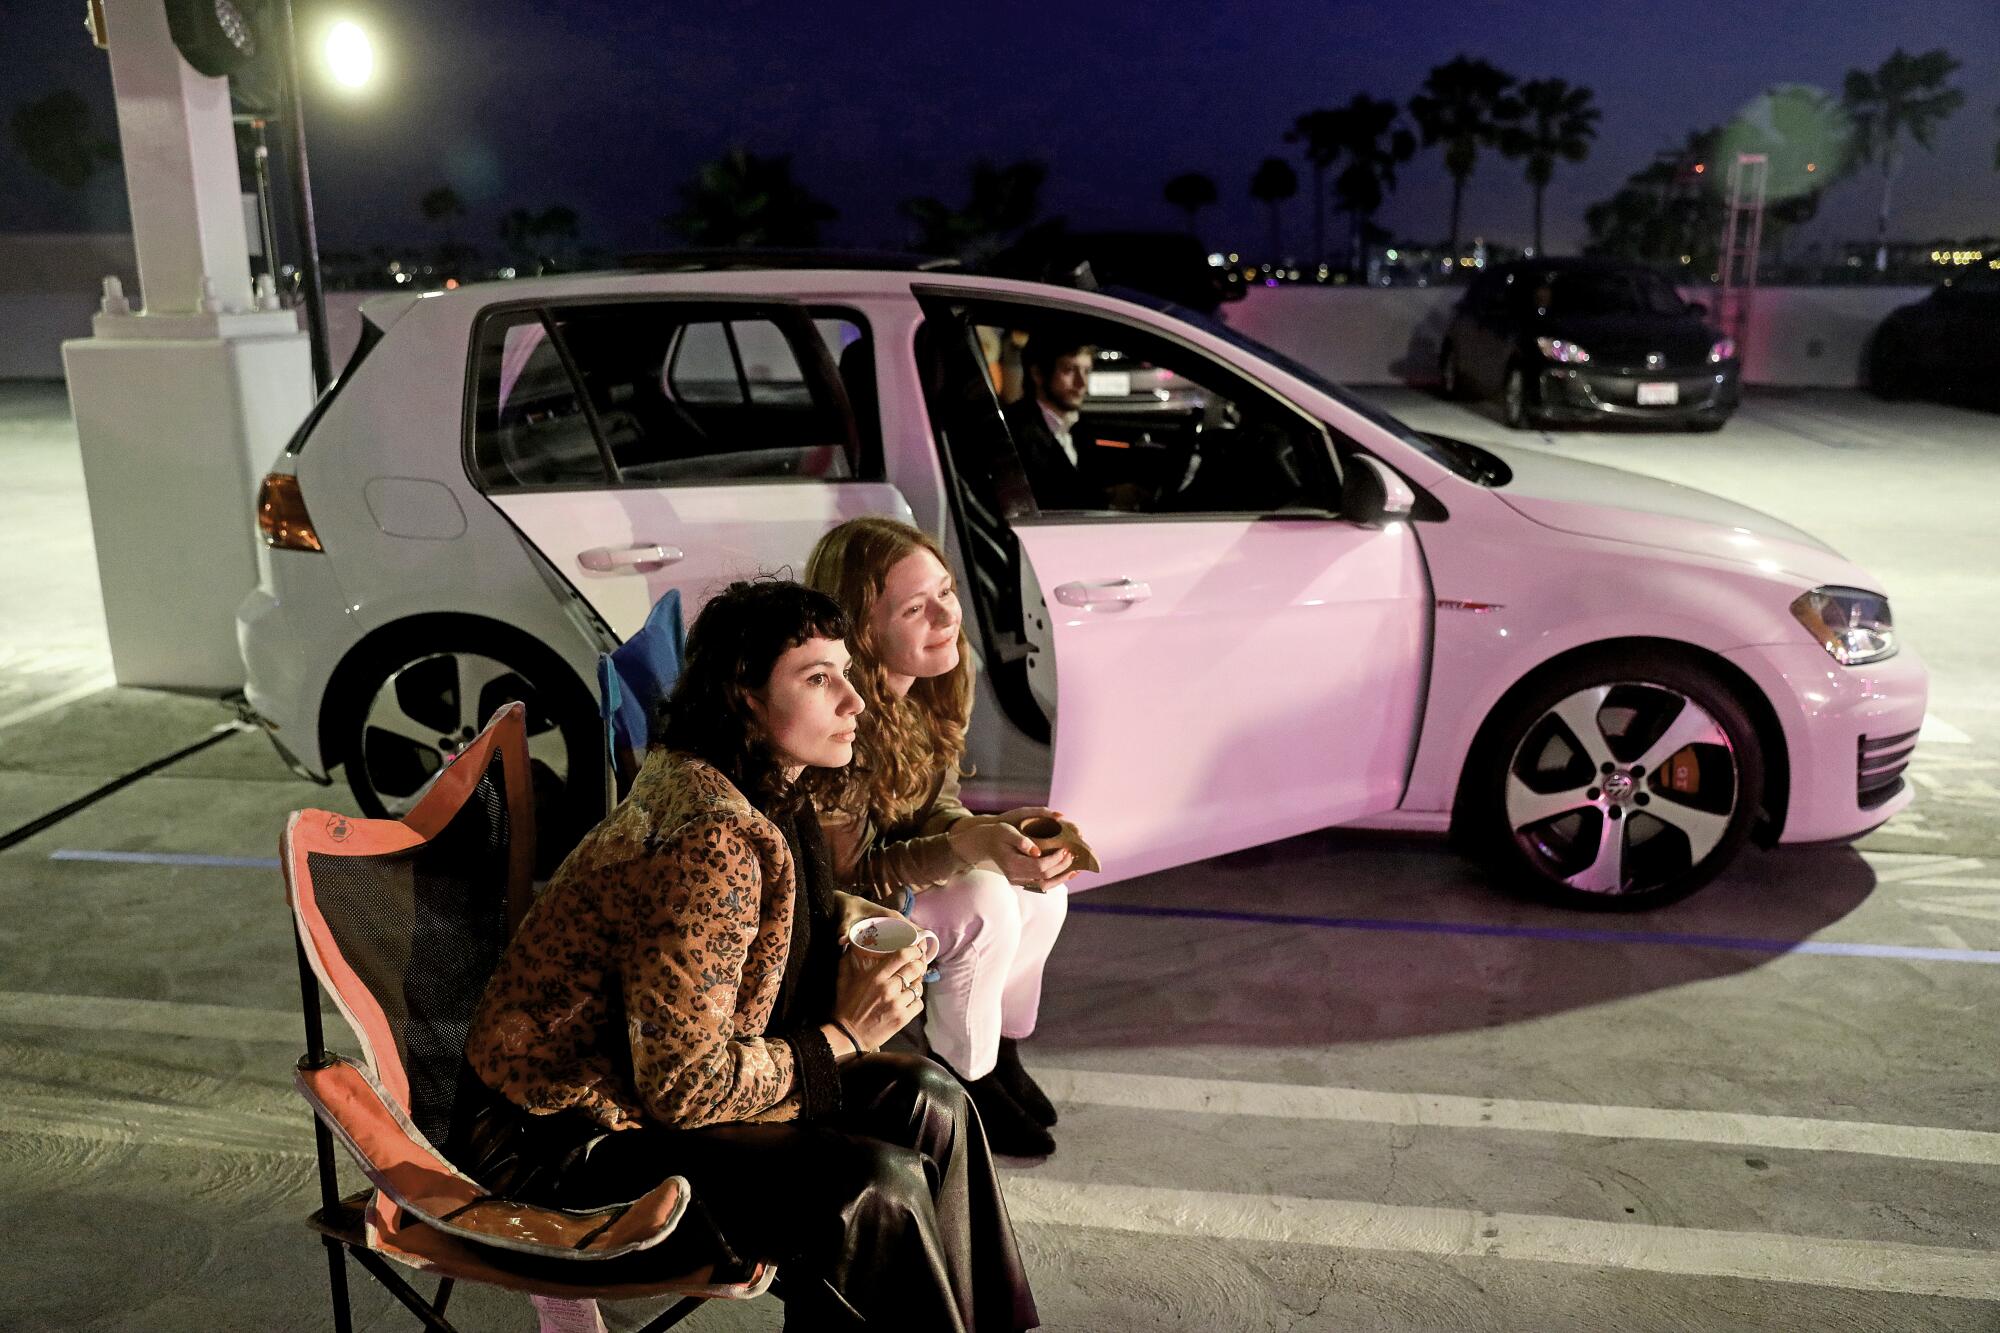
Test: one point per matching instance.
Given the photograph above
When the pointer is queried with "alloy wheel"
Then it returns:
(1621, 788)
(425, 711)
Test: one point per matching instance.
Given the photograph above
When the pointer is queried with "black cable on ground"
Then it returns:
(222, 732)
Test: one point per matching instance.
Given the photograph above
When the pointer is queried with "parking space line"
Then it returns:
(42, 707)
(167, 859)
(156, 1018)
(1558, 934)
(1918, 1270)
(1294, 1101)
(1937, 731)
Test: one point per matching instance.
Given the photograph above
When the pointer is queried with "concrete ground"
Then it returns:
(1428, 1106)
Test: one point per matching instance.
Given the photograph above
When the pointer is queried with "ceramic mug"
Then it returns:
(891, 934)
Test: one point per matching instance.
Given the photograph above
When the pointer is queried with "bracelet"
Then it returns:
(852, 1040)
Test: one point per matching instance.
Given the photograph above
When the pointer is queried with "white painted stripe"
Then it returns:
(1931, 867)
(1291, 1101)
(49, 705)
(161, 1018)
(1918, 1270)
(115, 1122)
(1937, 731)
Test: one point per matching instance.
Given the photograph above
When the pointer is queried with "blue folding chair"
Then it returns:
(631, 679)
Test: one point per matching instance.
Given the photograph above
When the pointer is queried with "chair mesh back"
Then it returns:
(424, 930)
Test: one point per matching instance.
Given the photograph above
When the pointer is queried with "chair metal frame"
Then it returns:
(343, 1223)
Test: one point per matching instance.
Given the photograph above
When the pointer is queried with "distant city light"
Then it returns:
(1812, 166)
(1700, 167)
(1215, 260)
(349, 54)
(1391, 254)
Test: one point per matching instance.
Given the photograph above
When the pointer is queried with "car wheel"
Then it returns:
(410, 710)
(1514, 409)
(1450, 384)
(1620, 784)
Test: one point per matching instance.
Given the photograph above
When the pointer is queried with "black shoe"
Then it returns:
(1027, 1094)
(1009, 1130)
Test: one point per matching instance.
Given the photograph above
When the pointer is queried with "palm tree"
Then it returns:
(743, 199)
(1191, 192)
(1271, 184)
(1905, 96)
(1003, 201)
(1374, 144)
(1464, 105)
(1558, 121)
(1315, 129)
(1666, 210)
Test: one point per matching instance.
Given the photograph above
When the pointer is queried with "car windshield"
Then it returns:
(1466, 460)
(1574, 293)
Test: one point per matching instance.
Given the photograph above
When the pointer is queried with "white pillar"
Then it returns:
(179, 410)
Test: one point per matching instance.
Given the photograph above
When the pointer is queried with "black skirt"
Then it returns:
(886, 1214)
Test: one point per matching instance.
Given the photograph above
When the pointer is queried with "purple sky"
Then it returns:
(606, 107)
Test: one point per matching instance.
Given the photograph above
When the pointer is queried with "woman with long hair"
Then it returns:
(896, 827)
(678, 1002)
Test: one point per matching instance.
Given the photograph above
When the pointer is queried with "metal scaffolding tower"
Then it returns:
(1742, 235)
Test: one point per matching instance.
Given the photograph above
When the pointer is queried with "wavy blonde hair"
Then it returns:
(902, 742)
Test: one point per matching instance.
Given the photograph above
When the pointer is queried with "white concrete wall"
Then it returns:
(1383, 335)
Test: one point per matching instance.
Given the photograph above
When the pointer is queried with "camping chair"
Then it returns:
(403, 922)
(631, 679)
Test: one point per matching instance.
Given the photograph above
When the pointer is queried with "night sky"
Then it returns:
(607, 107)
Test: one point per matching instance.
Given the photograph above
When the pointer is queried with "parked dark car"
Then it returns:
(1946, 346)
(1588, 340)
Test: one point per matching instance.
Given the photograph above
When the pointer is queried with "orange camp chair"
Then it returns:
(403, 922)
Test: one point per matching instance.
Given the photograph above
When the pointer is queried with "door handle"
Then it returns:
(639, 558)
(1109, 595)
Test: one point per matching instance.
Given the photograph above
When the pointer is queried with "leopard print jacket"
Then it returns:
(639, 985)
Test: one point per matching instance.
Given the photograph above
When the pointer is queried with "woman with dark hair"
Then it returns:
(678, 1002)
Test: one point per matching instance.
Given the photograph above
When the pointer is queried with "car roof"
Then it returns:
(830, 283)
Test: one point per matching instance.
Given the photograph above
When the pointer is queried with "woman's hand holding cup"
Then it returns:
(881, 983)
(1007, 849)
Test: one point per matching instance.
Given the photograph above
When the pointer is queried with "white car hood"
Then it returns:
(1595, 501)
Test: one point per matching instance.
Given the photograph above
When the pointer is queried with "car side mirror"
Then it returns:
(1372, 493)
(1697, 307)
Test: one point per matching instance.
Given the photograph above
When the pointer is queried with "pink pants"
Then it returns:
(993, 939)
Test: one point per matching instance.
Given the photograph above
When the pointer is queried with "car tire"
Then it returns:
(1514, 407)
(1709, 425)
(1451, 383)
(409, 707)
(1538, 805)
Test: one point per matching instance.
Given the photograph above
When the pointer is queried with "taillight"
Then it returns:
(282, 517)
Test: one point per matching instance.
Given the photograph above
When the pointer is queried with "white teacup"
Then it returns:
(891, 934)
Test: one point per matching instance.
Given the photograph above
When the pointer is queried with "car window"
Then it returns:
(529, 426)
(1109, 418)
(1587, 293)
(1451, 456)
(664, 393)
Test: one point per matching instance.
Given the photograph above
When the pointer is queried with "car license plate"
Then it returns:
(1659, 395)
(1110, 383)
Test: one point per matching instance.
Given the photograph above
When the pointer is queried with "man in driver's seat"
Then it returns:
(1042, 419)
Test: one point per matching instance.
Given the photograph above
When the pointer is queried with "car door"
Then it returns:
(1233, 661)
(658, 443)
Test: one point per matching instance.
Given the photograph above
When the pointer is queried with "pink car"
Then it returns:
(1276, 609)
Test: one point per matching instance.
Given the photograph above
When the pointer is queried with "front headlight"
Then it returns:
(1556, 349)
(1853, 626)
(1725, 350)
